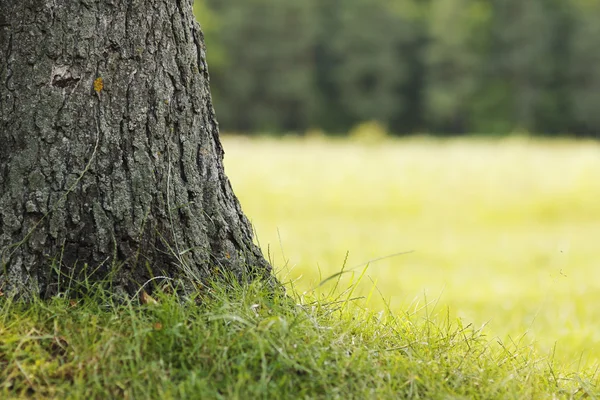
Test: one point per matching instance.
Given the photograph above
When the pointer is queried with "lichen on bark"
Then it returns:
(109, 148)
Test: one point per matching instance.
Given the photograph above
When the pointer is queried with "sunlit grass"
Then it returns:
(245, 342)
(504, 232)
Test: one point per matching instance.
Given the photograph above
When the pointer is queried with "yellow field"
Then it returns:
(504, 232)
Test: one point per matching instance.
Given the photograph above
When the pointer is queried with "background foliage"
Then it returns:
(440, 66)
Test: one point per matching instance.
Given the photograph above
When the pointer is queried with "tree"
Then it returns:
(522, 61)
(454, 60)
(584, 68)
(367, 61)
(265, 82)
(110, 159)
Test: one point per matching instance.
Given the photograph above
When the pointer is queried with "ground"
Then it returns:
(497, 300)
(504, 231)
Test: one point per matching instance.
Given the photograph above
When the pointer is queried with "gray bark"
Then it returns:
(110, 158)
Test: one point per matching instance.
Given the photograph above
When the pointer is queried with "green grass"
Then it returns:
(505, 232)
(497, 301)
(245, 343)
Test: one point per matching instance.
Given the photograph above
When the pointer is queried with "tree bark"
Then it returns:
(110, 159)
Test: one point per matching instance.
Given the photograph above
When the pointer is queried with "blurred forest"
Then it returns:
(414, 66)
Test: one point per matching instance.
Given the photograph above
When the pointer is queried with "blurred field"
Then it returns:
(504, 232)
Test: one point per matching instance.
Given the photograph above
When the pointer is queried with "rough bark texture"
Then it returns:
(109, 148)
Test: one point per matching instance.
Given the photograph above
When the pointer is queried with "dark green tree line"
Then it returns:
(440, 66)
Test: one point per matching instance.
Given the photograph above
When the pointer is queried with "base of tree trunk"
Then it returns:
(111, 166)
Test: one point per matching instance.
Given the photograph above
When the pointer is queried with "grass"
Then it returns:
(243, 342)
(504, 232)
(497, 301)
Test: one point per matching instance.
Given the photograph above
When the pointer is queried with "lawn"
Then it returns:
(504, 232)
(496, 296)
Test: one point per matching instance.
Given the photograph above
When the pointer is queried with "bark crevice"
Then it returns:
(128, 173)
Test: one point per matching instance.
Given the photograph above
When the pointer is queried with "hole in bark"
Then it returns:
(64, 81)
(112, 48)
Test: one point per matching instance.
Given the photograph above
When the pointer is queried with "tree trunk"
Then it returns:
(110, 159)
